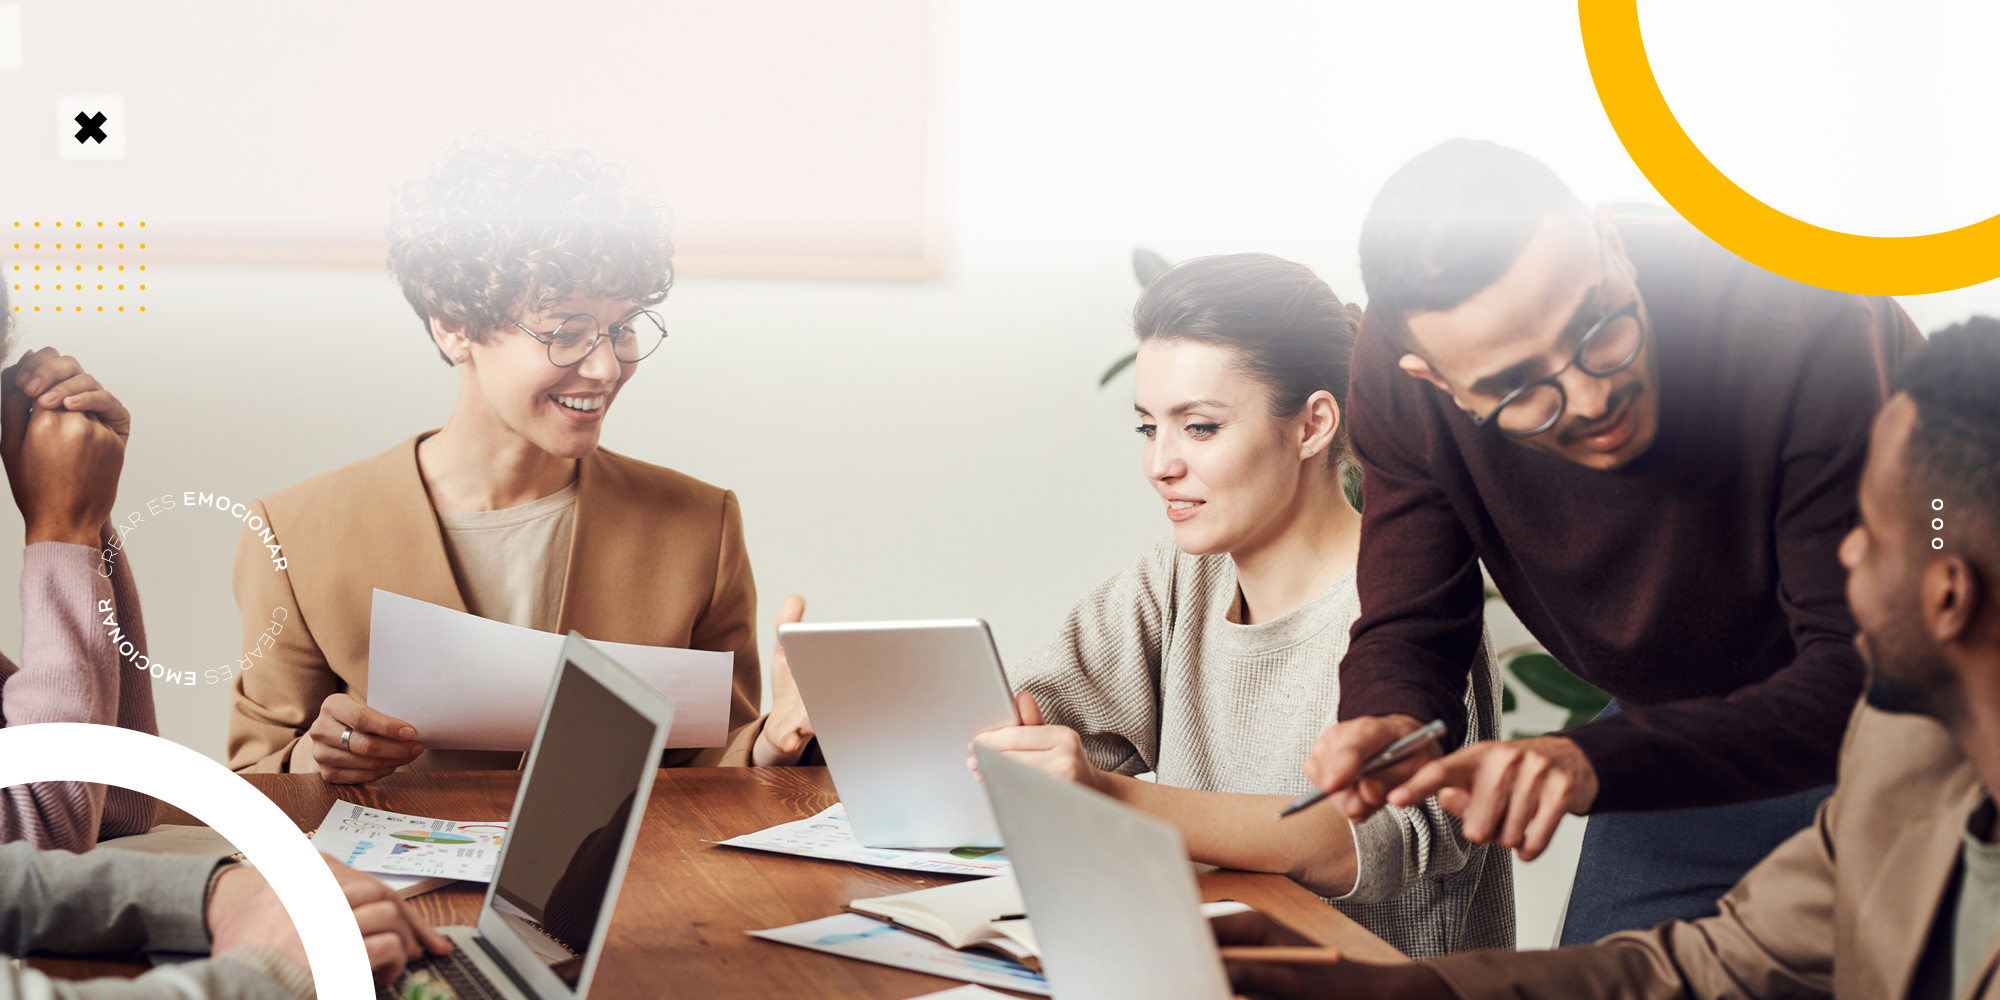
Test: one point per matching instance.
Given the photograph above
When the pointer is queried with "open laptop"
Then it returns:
(542, 927)
(894, 704)
(1109, 890)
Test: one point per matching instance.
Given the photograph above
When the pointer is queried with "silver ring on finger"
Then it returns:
(345, 735)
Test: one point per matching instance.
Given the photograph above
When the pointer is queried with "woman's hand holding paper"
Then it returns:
(376, 747)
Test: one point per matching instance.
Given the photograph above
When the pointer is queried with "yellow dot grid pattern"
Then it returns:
(31, 277)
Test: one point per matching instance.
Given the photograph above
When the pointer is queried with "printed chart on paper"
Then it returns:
(388, 843)
(828, 835)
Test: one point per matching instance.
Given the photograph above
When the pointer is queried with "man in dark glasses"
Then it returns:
(1894, 889)
(1652, 446)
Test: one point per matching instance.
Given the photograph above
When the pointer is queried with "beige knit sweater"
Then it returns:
(1153, 673)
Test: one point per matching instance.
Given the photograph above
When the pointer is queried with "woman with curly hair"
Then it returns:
(533, 271)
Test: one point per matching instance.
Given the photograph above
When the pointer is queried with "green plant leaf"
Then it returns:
(1147, 265)
(1557, 686)
(1117, 366)
(1507, 702)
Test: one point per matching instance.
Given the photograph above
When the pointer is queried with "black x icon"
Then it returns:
(92, 127)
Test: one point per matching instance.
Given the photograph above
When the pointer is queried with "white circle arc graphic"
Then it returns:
(76, 751)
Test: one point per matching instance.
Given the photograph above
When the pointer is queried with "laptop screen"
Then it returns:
(581, 783)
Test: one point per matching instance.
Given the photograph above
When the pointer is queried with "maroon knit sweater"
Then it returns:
(71, 671)
(1699, 584)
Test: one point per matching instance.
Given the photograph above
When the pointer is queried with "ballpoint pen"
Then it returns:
(1396, 752)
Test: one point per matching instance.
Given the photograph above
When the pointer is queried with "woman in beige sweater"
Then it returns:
(1212, 660)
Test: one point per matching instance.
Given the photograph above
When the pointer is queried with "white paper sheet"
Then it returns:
(828, 836)
(851, 935)
(389, 843)
(471, 683)
(963, 993)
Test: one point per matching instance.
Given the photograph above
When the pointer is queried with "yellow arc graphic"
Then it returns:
(1760, 234)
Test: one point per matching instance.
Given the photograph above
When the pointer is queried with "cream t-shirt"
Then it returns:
(510, 563)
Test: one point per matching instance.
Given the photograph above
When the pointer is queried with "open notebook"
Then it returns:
(985, 914)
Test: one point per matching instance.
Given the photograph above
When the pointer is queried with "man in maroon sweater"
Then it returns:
(1653, 447)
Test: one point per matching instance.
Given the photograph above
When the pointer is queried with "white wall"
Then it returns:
(915, 450)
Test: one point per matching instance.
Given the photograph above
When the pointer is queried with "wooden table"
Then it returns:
(686, 903)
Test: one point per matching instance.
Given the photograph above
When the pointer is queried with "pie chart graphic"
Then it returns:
(427, 837)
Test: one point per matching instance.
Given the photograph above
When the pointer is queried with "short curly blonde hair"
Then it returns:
(502, 225)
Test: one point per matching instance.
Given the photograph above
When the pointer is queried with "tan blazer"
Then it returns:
(657, 558)
(1842, 909)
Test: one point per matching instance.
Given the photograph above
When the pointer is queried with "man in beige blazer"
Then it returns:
(1895, 889)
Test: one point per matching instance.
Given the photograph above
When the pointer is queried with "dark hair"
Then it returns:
(1449, 223)
(1954, 451)
(502, 224)
(1290, 332)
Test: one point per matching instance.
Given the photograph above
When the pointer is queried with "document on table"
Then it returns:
(830, 837)
(471, 683)
(852, 935)
(389, 843)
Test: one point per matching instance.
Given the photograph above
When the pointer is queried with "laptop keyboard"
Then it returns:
(455, 969)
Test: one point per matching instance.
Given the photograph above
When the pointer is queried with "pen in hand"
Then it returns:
(1395, 754)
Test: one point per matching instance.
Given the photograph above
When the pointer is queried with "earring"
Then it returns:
(460, 358)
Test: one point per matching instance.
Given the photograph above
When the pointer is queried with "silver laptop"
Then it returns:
(1108, 889)
(895, 704)
(548, 908)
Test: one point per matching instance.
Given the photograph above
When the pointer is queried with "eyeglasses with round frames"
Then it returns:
(632, 338)
(1607, 348)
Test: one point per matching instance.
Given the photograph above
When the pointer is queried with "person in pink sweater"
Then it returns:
(62, 440)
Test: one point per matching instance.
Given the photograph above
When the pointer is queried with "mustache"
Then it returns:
(1614, 409)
